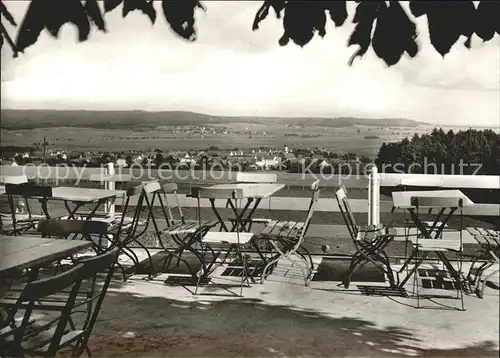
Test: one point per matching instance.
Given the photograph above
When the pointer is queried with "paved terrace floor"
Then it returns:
(283, 318)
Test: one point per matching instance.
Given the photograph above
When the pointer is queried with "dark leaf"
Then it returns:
(302, 20)
(32, 25)
(394, 34)
(419, 8)
(284, 40)
(366, 13)
(109, 5)
(261, 15)
(51, 15)
(146, 6)
(277, 5)
(488, 19)
(60, 12)
(94, 13)
(5, 36)
(337, 11)
(448, 20)
(180, 16)
(8, 16)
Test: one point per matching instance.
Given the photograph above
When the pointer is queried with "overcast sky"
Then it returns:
(231, 70)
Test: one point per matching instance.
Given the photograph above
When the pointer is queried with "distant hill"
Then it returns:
(31, 119)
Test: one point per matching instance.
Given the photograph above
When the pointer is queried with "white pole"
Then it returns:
(374, 212)
(370, 198)
(111, 186)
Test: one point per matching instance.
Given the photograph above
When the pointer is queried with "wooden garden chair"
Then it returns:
(488, 257)
(223, 246)
(47, 338)
(27, 192)
(369, 242)
(286, 238)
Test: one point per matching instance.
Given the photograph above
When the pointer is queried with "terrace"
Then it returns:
(282, 316)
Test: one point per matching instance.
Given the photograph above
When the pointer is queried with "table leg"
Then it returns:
(247, 221)
(78, 205)
(240, 218)
(413, 270)
(217, 215)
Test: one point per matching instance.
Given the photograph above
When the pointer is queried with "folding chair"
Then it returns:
(223, 245)
(186, 235)
(429, 241)
(129, 226)
(34, 337)
(105, 179)
(88, 300)
(266, 178)
(21, 223)
(92, 297)
(63, 229)
(369, 242)
(286, 239)
(488, 255)
(99, 231)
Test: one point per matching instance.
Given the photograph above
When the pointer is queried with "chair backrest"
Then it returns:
(36, 290)
(58, 227)
(28, 190)
(126, 209)
(436, 202)
(21, 193)
(92, 267)
(217, 193)
(315, 185)
(99, 263)
(13, 179)
(151, 187)
(134, 191)
(441, 203)
(312, 206)
(345, 210)
(171, 189)
(39, 289)
(242, 177)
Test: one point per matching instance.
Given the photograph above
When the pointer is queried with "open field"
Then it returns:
(339, 139)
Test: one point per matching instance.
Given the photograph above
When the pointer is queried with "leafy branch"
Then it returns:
(383, 25)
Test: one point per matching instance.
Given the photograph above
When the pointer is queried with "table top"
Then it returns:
(250, 190)
(85, 195)
(402, 199)
(21, 252)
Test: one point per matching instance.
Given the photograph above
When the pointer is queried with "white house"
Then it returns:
(323, 163)
(138, 159)
(187, 160)
(121, 163)
(266, 162)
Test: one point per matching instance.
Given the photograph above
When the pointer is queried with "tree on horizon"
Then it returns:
(383, 25)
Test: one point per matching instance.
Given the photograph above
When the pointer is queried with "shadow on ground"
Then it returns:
(135, 325)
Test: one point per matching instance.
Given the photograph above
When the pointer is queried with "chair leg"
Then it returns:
(309, 258)
(483, 283)
(355, 261)
(460, 288)
(202, 270)
(416, 282)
